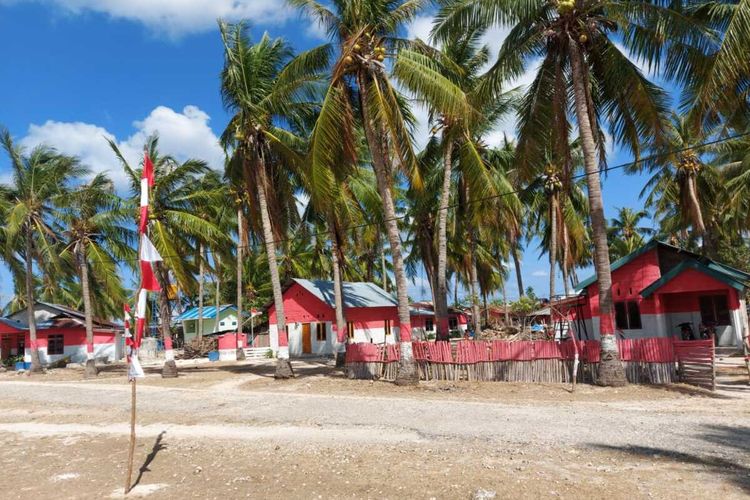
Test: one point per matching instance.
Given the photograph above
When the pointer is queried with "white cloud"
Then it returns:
(177, 17)
(540, 273)
(183, 135)
(420, 27)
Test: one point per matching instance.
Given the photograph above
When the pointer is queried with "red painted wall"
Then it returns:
(633, 277)
(72, 336)
(627, 282)
(301, 306)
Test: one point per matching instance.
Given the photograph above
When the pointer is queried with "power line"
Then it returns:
(494, 196)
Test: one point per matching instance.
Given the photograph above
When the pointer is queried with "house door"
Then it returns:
(5, 347)
(306, 339)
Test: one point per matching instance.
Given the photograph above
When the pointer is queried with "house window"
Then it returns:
(55, 344)
(453, 323)
(628, 315)
(715, 310)
(350, 329)
(387, 327)
(429, 325)
(320, 333)
(21, 345)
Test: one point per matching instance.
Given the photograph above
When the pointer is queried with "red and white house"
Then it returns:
(61, 333)
(423, 319)
(660, 287)
(370, 312)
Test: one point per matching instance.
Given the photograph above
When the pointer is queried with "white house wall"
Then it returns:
(329, 346)
(76, 354)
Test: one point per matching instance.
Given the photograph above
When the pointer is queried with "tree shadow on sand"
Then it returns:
(732, 441)
(158, 446)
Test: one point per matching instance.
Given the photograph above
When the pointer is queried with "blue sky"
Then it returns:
(76, 71)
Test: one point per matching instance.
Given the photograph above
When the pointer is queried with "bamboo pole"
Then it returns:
(131, 450)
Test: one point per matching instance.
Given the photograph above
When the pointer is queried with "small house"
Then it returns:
(309, 308)
(215, 320)
(61, 333)
(661, 290)
(422, 315)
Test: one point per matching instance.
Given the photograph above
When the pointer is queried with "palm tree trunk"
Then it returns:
(505, 301)
(611, 371)
(338, 300)
(485, 312)
(455, 289)
(201, 279)
(36, 363)
(441, 294)
(517, 265)
(238, 352)
(385, 271)
(169, 370)
(283, 365)
(565, 256)
(88, 313)
(699, 226)
(552, 244)
(474, 286)
(407, 373)
(217, 291)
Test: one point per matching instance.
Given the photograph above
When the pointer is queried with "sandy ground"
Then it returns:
(226, 430)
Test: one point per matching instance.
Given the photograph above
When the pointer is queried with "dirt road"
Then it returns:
(234, 432)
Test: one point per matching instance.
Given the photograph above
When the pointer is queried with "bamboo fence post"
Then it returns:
(131, 450)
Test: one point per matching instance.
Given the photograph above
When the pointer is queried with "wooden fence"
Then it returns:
(650, 361)
(696, 362)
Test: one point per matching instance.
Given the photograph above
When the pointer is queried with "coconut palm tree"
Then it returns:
(38, 178)
(448, 80)
(582, 68)
(365, 34)
(715, 78)
(264, 86)
(681, 180)
(626, 232)
(175, 224)
(95, 234)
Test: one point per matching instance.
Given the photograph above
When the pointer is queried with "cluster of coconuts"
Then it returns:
(690, 163)
(565, 6)
(367, 48)
(551, 182)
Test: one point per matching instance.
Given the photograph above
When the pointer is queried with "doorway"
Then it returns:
(306, 338)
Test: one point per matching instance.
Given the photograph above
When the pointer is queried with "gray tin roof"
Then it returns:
(355, 294)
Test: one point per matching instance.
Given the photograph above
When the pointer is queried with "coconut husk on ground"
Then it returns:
(200, 347)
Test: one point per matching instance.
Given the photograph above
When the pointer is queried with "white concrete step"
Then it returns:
(256, 352)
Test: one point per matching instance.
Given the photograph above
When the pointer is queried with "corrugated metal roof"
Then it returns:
(355, 294)
(208, 312)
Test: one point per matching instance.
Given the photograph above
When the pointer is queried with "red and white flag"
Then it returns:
(148, 255)
(147, 181)
(135, 370)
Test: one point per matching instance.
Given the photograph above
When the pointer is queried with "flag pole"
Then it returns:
(134, 366)
(131, 450)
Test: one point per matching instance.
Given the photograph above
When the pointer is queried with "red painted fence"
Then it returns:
(648, 350)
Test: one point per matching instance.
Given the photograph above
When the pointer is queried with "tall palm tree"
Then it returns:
(93, 225)
(715, 78)
(681, 181)
(626, 232)
(264, 86)
(449, 80)
(175, 224)
(365, 34)
(38, 178)
(583, 69)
